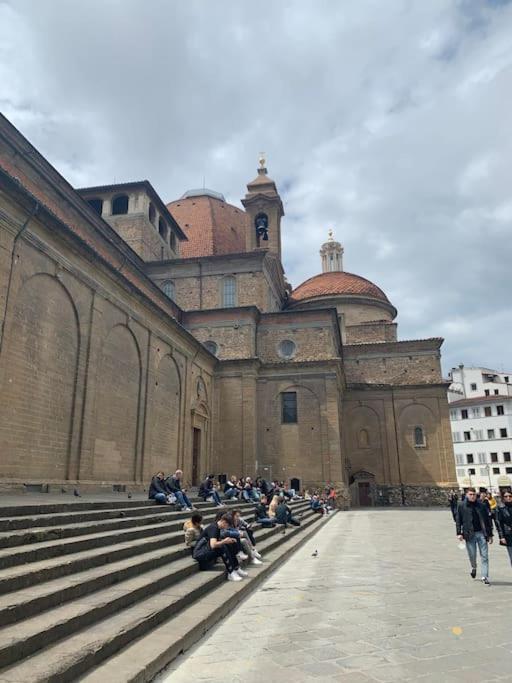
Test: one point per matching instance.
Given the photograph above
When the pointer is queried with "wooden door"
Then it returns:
(196, 455)
(364, 493)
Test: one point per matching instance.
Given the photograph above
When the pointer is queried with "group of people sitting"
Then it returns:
(168, 491)
(230, 537)
(240, 488)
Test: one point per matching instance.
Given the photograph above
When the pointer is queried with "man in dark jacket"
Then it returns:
(261, 514)
(504, 522)
(474, 526)
(157, 489)
(208, 490)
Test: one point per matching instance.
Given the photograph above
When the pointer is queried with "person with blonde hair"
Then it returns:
(272, 508)
(193, 530)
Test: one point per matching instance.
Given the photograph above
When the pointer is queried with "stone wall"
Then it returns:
(400, 363)
(141, 235)
(97, 383)
(379, 435)
(310, 449)
(371, 332)
(199, 283)
(412, 496)
(314, 334)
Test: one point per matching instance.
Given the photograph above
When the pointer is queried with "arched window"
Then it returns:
(120, 205)
(287, 349)
(211, 346)
(97, 205)
(172, 241)
(229, 292)
(152, 213)
(419, 436)
(261, 227)
(168, 289)
(162, 228)
(364, 438)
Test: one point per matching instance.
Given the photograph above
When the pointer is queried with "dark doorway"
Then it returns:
(295, 484)
(196, 455)
(364, 493)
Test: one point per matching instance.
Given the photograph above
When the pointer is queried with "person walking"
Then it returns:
(454, 501)
(504, 522)
(475, 527)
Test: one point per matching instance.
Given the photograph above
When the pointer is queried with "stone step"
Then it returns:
(26, 602)
(26, 575)
(75, 506)
(145, 657)
(40, 535)
(75, 654)
(26, 637)
(89, 514)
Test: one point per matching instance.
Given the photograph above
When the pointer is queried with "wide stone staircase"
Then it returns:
(107, 591)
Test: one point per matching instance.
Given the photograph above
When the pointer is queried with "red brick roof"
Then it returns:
(338, 282)
(211, 225)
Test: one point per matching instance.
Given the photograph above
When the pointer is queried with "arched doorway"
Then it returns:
(362, 489)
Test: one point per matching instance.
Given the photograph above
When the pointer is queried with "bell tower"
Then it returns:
(265, 210)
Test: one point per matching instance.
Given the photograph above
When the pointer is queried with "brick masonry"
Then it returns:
(104, 380)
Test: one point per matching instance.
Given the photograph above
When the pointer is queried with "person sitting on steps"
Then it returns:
(210, 546)
(193, 530)
(231, 489)
(284, 514)
(207, 490)
(173, 485)
(317, 505)
(249, 492)
(261, 514)
(246, 537)
(272, 508)
(157, 489)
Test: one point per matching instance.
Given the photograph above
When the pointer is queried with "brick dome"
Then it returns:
(337, 283)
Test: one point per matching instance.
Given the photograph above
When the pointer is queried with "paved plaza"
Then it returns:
(388, 598)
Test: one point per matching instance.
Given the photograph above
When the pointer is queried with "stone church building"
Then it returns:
(137, 335)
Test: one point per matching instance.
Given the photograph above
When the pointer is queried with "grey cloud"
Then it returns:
(391, 127)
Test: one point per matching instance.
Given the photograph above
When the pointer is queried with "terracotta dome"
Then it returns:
(337, 283)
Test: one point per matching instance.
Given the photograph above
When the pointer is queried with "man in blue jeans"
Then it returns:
(173, 485)
(157, 489)
(474, 525)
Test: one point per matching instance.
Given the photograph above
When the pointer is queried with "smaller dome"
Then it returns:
(337, 283)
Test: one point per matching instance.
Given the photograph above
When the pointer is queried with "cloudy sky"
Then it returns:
(389, 121)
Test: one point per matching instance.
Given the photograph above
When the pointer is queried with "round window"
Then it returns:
(211, 346)
(287, 349)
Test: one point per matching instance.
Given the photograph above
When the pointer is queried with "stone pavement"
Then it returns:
(389, 598)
